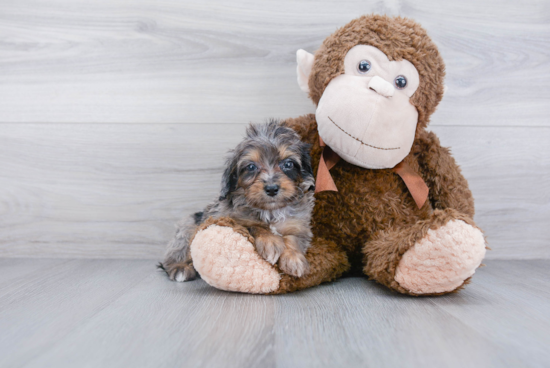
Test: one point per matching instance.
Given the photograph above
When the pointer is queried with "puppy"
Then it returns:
(267, 187)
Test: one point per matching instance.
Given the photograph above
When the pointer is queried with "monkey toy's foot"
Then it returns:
(224, 255)
(442, 260)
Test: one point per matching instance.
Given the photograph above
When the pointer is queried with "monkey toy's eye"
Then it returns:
(363, 66)
(288, 165)
(400, 82)
(250, 167)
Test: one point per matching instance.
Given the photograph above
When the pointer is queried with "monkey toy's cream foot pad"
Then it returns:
(442, 260)
(227, 260)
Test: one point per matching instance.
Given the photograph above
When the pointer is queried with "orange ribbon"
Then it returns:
(416, 185)
(329, 158)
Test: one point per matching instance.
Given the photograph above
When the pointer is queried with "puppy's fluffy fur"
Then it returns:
(268, 188)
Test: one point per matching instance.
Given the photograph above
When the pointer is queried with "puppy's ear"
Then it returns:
(229, 177)
(307, 170)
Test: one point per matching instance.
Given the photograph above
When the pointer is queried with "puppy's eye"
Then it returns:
(250, 167)
(288, 165)
(364, 66)
(400, 82)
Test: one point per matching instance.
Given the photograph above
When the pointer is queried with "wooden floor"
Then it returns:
(125, 313)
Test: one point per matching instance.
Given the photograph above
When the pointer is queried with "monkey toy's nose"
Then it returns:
(381, 86)
(271, 189)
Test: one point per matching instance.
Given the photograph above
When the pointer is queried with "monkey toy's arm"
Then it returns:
(448, 188)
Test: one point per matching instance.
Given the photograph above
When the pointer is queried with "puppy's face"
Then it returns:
(270, 176)
(270, 169)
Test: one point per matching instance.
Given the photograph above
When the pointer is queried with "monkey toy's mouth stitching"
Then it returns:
(360, 141)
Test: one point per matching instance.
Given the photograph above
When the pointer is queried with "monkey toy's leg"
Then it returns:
(434, 256)
(327, 262)
(224, 255)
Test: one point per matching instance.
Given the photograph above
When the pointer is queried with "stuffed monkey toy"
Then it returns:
(391, 203)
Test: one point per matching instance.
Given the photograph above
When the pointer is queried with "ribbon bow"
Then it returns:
(416, 185)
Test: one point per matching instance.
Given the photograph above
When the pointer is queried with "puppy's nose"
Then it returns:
(271, 189)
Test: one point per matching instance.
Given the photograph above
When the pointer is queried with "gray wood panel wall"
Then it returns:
(115, 115)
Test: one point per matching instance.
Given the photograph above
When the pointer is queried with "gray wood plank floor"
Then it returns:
(122, 313)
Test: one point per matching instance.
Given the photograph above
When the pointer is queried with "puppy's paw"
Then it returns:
(180, 272)
(269, 246)
(293, 263)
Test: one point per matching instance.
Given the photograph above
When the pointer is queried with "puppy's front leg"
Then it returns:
(268, 245)
(293, 261)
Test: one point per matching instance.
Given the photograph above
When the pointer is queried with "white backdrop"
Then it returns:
(115, 115)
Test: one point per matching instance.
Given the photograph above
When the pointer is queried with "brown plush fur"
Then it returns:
(399, 38)
(327, 262)
(367, 226)
(386, 247)
(373, 218)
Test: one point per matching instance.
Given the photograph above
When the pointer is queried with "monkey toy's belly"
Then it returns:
(367, 201)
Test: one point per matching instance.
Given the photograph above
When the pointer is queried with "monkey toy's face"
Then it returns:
(365, 115)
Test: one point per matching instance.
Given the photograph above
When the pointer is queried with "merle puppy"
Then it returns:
(267, 187)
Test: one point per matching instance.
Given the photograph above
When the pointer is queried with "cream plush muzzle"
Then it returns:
(363, 116)
(364, 127)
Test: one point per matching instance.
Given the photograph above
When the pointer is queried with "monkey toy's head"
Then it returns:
(375, 81)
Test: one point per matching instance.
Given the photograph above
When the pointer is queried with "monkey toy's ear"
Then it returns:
(305, 63)
(229, 178)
